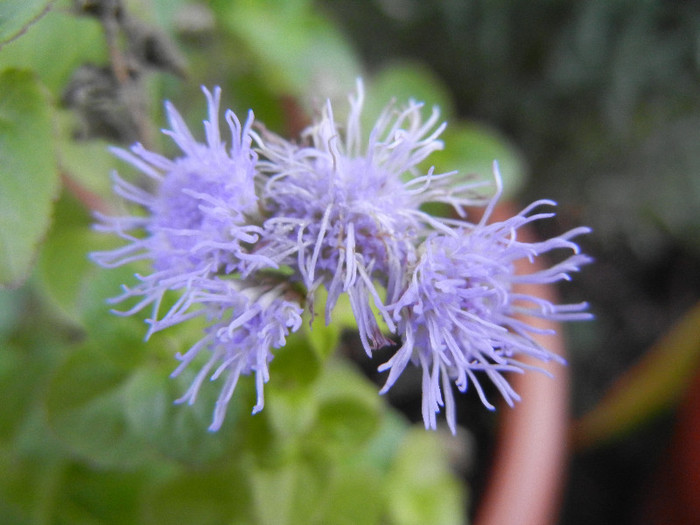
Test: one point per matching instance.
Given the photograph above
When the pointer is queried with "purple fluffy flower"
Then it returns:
(201, 217)
(250, 322)
(244, 234)
(197, 219)
(348, 208)
(459, 313)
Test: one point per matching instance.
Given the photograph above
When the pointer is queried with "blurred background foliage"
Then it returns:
(595, 104)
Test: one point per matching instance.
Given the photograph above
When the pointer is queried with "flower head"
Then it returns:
(249, 323)
(244, 234)
(197, 213)
(350, 210)
(459, 315)
(201, 217)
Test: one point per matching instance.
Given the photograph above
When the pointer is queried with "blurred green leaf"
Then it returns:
(87, 162)
(77, 288)
(33, 461)
(299, 52)
(295, 365)
(27, 360)
(291, 412)
(273, 493)
(17, 388)
(380, 451)
(59, 34)
(421, 488)
(200, 497)
(324, 338)
(95, 311)
(403, 81)
(349, 409)
(28, 487)
(290, 493)
(12, 304)
(308, 489)
(160, 13)
(175, 431)
(354, 496)
(471, 149)
(17, 15)
(28, 175)
(63, 268)
(85, 406)
(88, 495)
(290, 402)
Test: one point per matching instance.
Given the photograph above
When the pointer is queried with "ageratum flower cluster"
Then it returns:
(246, 232)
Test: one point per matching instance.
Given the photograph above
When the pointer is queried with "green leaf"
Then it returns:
(87, 162)
(16, 391)
(27, 361)
(56, 46)
(296, 365)
(420, 488)
(401, 82)
(85, 406)
(290, 493)
(29, 486)
(273, 492)
(471, 149)
(35, 460)
(355, 495)
(176, 431)
(12, 304)
(329, 475)
(380, 451)
(196, 497)
(17, 15)
(290, 405)
(324, 338)
(307, 489)
(63, 268)
(28, 175)
(299, 52)
(108, 497)
(78, 290)
(349, 409)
